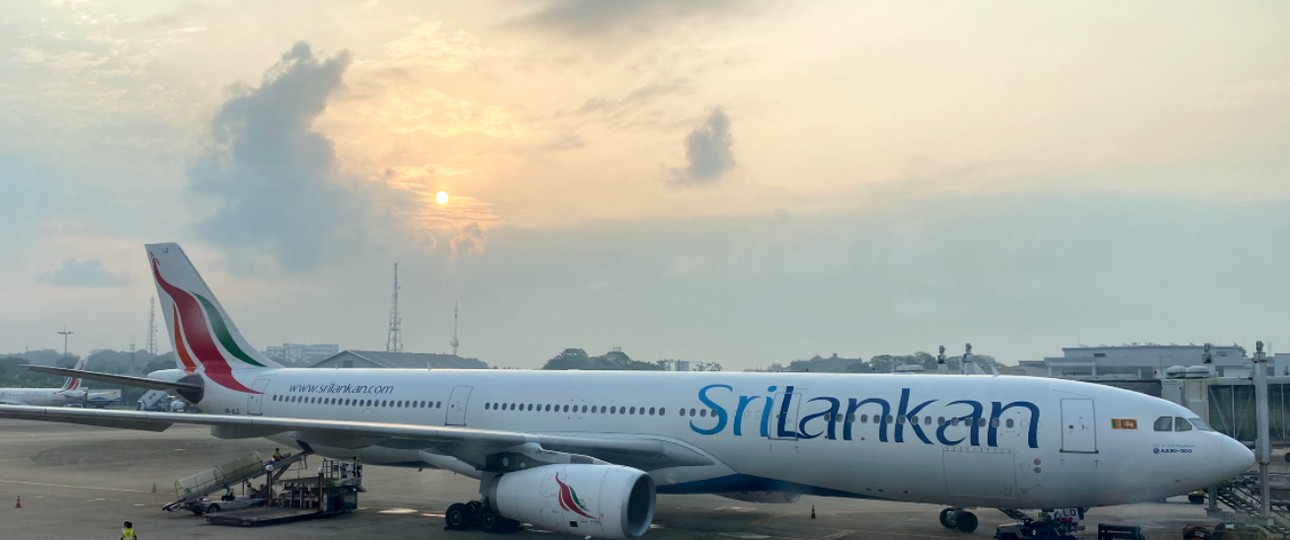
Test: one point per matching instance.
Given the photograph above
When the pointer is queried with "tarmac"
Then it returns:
(82, 482)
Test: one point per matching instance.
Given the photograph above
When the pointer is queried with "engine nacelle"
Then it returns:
(604, 501)
(770, 497)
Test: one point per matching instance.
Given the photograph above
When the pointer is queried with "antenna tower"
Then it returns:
(152, 326)
(454, 330)
(393, 341)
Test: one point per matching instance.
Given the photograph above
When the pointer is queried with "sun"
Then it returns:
(441, 197)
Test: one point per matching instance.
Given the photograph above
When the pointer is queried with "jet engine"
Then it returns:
(604, 501)
(772, 497)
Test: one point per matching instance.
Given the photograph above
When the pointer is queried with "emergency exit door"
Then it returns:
(255, 400)
(1079, 427)
(457, 406)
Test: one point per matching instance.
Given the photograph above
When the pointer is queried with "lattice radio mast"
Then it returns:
(393, 341)
(152, 326)
(454, 329)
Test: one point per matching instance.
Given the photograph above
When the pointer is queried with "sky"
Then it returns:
(745, 182)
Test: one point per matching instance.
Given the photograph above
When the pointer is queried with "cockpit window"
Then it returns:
(1200, 424)
(1181, 424)
(1164, 423)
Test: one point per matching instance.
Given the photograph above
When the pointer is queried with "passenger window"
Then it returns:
(662, 411)
(1164, 423)
(1181, 424)
(703, 412)
(1009, 423)
(851, 418)
(994, 422)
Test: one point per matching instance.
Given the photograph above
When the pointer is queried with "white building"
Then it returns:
(1138, 361)
(301, 354)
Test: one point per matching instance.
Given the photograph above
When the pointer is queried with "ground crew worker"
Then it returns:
(127, 532)
(277, 454)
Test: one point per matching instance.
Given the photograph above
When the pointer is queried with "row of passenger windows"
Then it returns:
(1183, 425)
(1178, 423)
(580, 409)
(925, 420)
(704, 413)
(351, 402)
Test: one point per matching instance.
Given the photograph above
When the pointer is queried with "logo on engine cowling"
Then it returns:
(569, 500)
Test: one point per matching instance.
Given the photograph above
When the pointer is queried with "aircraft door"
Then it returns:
(457, 406)
(255, 400)
(1079, 428)
(783, 420)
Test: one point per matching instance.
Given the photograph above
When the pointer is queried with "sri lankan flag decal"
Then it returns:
(1124, 423)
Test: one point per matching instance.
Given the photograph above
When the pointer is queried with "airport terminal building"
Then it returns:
(383, 359)
(1221, 391)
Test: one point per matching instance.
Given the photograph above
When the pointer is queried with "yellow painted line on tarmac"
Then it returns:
(44, 484)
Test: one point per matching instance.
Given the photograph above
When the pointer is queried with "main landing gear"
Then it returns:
(477, 514)
(958, 518)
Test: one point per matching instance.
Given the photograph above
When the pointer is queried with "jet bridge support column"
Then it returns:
(1262, 448)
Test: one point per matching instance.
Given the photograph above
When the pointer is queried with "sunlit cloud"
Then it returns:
(430, 46)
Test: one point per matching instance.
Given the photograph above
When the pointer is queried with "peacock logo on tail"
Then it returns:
(198, 325)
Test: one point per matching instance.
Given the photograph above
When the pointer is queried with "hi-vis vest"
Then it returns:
(127, 534)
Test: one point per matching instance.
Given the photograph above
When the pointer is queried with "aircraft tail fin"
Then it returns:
(74, 383)
(203, 335)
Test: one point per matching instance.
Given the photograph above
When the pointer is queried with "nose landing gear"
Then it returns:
(958, 518)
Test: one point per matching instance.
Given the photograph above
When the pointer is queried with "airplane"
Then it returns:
(586, 453)
(70, 393)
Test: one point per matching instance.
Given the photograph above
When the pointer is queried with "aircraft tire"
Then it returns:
(965, 521)
(947, 518)
(490, 522)
(456, 517)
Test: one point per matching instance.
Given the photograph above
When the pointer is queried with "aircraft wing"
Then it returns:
(138, 382)
(470, 445)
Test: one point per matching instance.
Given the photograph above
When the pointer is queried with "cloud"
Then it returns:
(707, 149)
(86, 273)
(595, 18)
(469, 241)
(273, 178)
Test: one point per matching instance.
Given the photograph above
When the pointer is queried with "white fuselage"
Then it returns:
(993, 441)
(40, 397)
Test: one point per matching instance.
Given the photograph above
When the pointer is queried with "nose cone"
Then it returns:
(1233, 458)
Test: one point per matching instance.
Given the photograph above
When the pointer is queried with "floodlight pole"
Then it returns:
(65, 332)
(1262, 449)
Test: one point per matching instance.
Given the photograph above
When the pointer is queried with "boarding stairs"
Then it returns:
(154, 400)
(225, 476)
(1242, 496)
